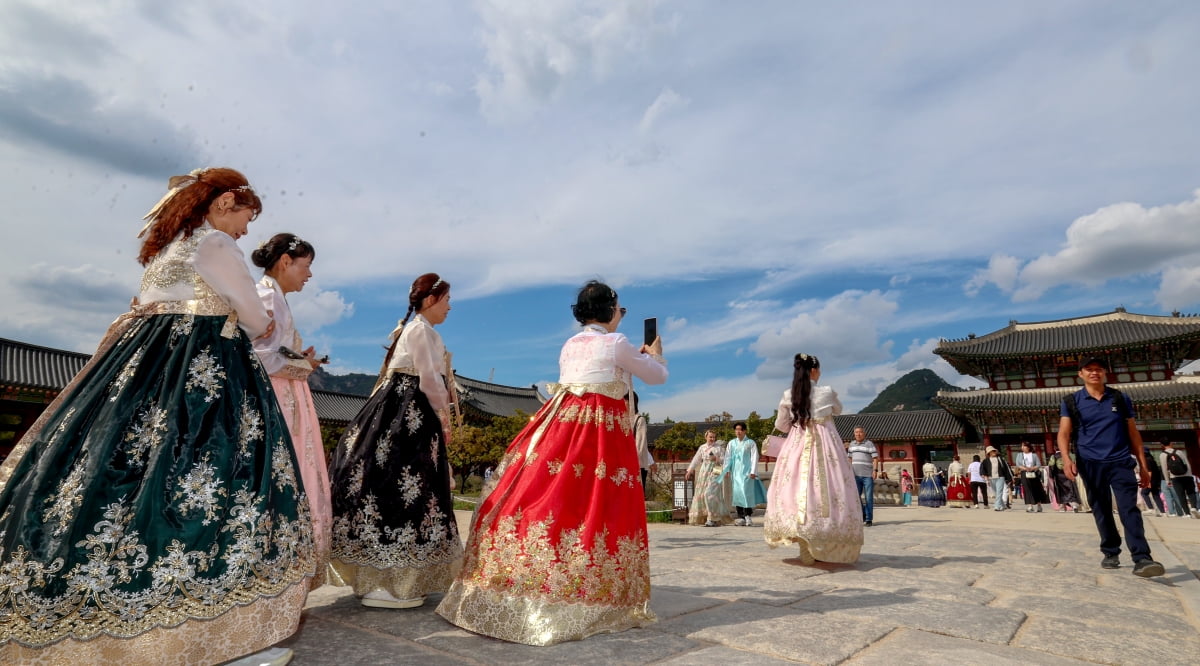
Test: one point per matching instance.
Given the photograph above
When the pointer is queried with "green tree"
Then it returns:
(473, 448)
(681, 439)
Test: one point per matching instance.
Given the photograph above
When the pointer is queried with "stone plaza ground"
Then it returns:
(961, 586)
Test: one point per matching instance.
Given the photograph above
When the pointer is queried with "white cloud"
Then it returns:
(1118, 240)
(535, 50)
(313, 308)
(1180, 287)
(842, 332)
(1002, 271)
(666, 101)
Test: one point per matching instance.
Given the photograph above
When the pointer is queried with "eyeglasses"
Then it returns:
(622, 311)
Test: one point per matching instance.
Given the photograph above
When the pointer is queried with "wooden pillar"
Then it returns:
(1051, 443)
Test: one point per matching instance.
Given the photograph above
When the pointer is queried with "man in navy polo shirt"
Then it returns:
(1108, 451)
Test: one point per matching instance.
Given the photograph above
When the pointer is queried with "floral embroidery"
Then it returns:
(621, 477)
(206, 374)
(578, 470)
(145, 436)
(350, 438)
(126, 374)
(412, 416)
(362, 539)
(181, 328)
(410, 485)
(200, 489)
(354, 487)
(66, 499)
(282, 469)
(601, 469)
(62, 425)
(596, 415)
(383, 447)
(250, 428)
(558, 565)
(554, 466)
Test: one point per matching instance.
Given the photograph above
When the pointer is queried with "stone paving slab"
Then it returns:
(1128, 645)
(995, 625)
(910, 646)
(723, 656)
(1100, 615)
(779, 632)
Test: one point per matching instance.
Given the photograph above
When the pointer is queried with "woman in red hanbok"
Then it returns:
(558, 547)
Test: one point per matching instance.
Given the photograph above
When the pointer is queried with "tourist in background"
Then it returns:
(864, 461)
(133, 512)
(741, 466)
(1154, 500)
(645, 459)
(809, 500)
(979, 497)
(932, 493)
(1029, 467)
(287, 263)
(906, 488)
(1063, 489)
(558, 549)
(958, 489)
(1174, 464)
(708, 500)
(998, 474)
(395, 537)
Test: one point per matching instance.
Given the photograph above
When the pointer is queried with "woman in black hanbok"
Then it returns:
(395, 538)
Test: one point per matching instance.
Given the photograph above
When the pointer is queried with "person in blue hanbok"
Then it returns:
(741, 467)
(153, 513)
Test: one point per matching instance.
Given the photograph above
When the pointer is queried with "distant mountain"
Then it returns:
(911, 392)
(355, 383)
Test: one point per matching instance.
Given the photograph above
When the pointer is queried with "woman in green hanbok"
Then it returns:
(153, 513)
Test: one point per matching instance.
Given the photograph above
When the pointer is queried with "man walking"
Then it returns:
(997, 472)
(864, 459)
(741, 465)
(1175, 465)
(1108, 449)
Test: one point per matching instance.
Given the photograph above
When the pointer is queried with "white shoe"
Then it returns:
(738, 522)
(749, 522)
(379, 598)
(275, 656)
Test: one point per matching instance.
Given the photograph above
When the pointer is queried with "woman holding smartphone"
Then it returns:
(558, 548)
(287, 262)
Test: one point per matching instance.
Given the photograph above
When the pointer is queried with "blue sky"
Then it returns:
(766, 178)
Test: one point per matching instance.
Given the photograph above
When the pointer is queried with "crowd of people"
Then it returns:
(173, 504)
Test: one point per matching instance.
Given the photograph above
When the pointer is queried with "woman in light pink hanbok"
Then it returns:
(813, 501)
(287, 261)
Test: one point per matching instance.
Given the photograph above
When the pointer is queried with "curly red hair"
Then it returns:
(186, 209)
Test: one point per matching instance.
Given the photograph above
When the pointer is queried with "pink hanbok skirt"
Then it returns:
(300, 413)
(812, 498)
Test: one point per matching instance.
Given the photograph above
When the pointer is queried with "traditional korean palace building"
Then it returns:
(32, 376)
(1030, 367)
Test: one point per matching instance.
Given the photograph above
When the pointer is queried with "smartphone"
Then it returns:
(290, 353)
(650, 330)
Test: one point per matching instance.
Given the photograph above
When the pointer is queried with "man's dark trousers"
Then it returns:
(1121, 477)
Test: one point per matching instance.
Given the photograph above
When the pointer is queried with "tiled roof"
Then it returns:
(885, 426)
(31, 366)
(497, 399)
(338, 408)
(1093, 333)
(1179, 389)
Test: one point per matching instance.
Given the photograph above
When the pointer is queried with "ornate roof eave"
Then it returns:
(1186, 388)
(1100, 333)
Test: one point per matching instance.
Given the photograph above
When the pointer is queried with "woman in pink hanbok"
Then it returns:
(813, 500)
(287, 263)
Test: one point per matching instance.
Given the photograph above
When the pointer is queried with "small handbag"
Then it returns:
(772, 445)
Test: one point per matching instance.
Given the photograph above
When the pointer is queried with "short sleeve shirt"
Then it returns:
(862, 455)
(1102, 435)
